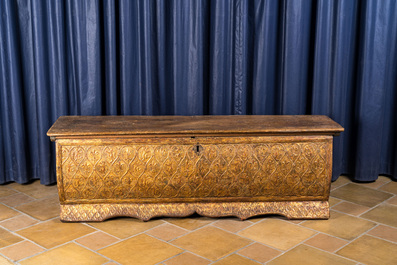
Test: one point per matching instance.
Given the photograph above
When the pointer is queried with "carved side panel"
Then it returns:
(183, 172)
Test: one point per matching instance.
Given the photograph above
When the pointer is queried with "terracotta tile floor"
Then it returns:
(362, 230)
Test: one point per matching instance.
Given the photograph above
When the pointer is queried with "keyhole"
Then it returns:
(198, 148)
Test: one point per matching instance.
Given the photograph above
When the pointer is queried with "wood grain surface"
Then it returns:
(192, 125)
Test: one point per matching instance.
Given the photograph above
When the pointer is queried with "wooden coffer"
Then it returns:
(148, 166)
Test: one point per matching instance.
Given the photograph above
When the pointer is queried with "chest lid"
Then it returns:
(72, 126)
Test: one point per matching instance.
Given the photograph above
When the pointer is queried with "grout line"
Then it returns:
(166, 223)
(38, 253)
(385, 183)
(335, 188)
(108, 262)
(257, 261)
(256, 242)
(15, 194)
(372, 208)
(185, 251)
(227, 231)
(359, 217)
(314, 235)
(125, 239)
(160, 262)
(46, 250)
(347, 242)
(60, 245)
(39, 221)
(375, 189)
(378, 188)
(351, 215)
(282, 252)
(23, 213)
(378, 223)
(89, 234)
(395, 243)
(8, 259)
(332, 253)
(91, 250)
(97, 230)
(112, 244)
(312, 229)
(22, 192)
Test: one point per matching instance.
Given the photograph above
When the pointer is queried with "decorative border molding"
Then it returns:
(242, 210)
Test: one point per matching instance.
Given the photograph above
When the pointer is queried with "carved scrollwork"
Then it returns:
(152, 171)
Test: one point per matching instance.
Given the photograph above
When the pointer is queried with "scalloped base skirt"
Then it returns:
(242, 210)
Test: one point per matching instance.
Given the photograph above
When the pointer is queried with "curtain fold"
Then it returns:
(235, 57)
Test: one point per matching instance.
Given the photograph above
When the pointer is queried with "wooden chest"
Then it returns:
(147, 166)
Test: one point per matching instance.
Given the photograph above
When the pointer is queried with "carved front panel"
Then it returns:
(187, 171)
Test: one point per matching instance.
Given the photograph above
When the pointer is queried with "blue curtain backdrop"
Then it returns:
(337, 58)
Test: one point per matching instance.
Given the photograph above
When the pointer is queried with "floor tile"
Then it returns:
(190, 223)
(167, 232)
(16, 199)
(374, 185)
(4, 261)
(4, 191)
(256, 219)
(236, 260)
(141, 249)
(21, 250)
(333, 201)
(342, 180)
(370, 250)
(340, 225)
(232, 225)
(125, 227)
(306, 255)
(296, 222)
(351, 208)
(384, 213)
(42, 209)
(35, 189)
(326, 242)
(392, 200)
(277, 233)
(390, 187)
(7, 238)
(187, 258)
(66, 255)
(211, 243)
(97, 240)
(6, 212)
(384, 178)
(18, 222)
(385, 232)
(259, 252)
(360, 195)
(53, 233)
